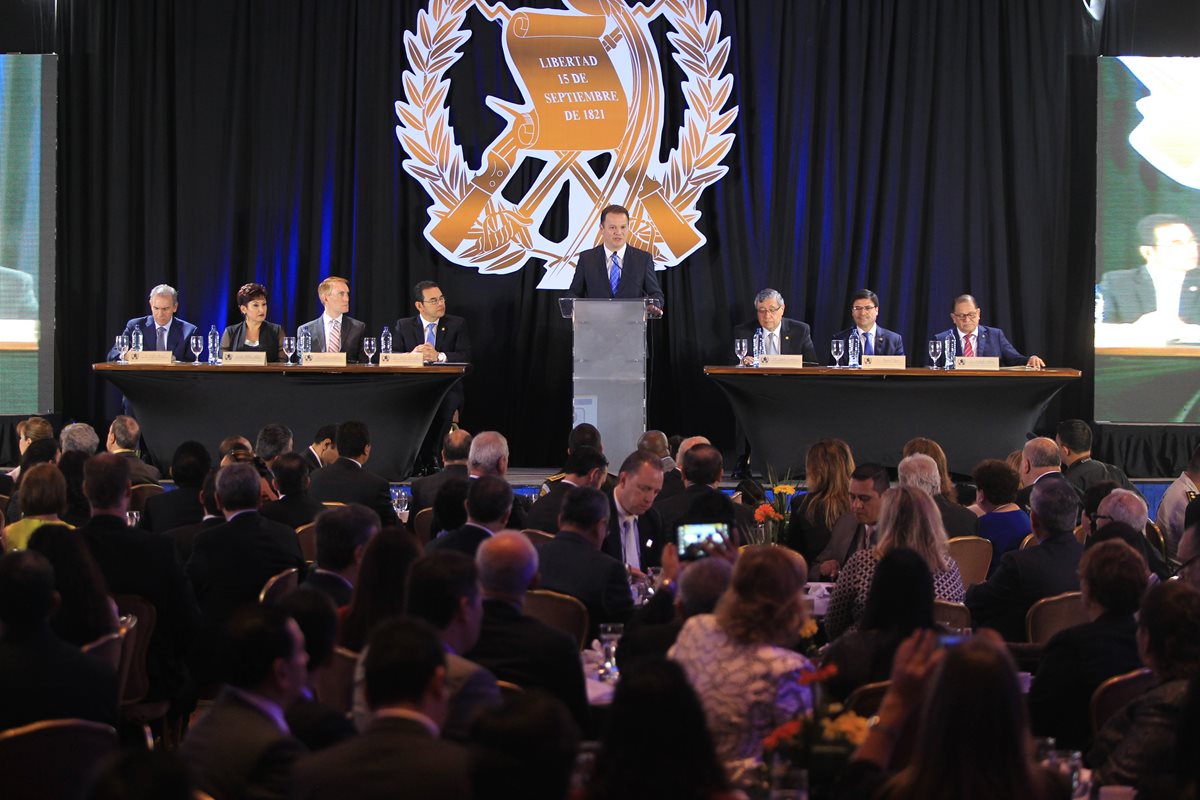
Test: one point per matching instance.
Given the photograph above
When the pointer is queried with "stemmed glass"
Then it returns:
(610, 635)
(836, 348)
(289, 347)
(369, 348)
(122, 344)
(935, 352)
(196, 343)
(400, 503)
(740, 348)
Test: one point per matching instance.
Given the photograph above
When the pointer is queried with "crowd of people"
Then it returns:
(409, 662)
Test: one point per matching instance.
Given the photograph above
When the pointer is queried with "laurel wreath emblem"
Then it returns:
(501, 239)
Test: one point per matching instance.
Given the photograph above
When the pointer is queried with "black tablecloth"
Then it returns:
(181, 402)
(972, 415)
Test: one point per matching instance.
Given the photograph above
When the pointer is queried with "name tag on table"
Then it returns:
(324, 360)
(401, 359)
(883, 362)
(789, 361)
(150, 357)
(248, 359)
(977, 362)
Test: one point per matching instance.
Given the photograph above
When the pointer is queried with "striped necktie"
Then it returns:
(614, 274)
(334, 345)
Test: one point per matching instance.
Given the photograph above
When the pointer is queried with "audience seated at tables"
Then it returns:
(703, 469)
(43, 451)
(1112, 578)
(635, 531)
(1122, 505)
(241, 746)
(1175, 500)
(181, 506)
(84, 611)
(655, 443)
(1043, 570)
(907, 518)
(323, 450)
(1040, 459)
(347, 480)
(273, 440)
(456, 447)
(290, 481)
(43, 499)
(266, 487)
(524, 749)
(827, 468)
(1092, 498)
(449, 507)
(925, 446)
(857, 529)
(70, 464)
(1001, 521)
(343, 533)
(584, 434)
(41, 676)
(1074, 440)
(921, 471)
(28, 431)
(78, 437)
(230, 445)
(380, 586)
(740, 662)
(315, 724)
(899, 602)
(489, 504)
(185, 535)
(585, 466)
(658, 743)
(517, 648)
(1137, 743)
(489, 456)
(135, 774)
(400, 753)
(124, 435)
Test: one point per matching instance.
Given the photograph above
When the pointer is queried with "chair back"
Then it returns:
(1116, 692)
(865, 700)
(53, 758)
(335, 683)
(279, 584)
(952, 615)
(137, 680)
(508, 689)
(129, 627)
(1050, 615)
(422, 523)
(139, 494)
(1080, 534)
(973, 554)
(107, 648)
(3, 503)
(537, 537)
(307, 534)
(1154, 535)
(1029, 541)
(561, 611)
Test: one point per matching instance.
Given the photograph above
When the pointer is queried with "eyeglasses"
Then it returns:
(434, 301)
(1099, 516)
(857, 309)
(966, 317)
(766, 310)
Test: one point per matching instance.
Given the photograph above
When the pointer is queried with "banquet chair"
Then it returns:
(136, 682)
(508, 689)
(107, 648)
(335, 683)
(973, 554)
(537, 537)
(1029, 541)
(139, 494)
(307, 534)
(278, 585)
(865, 700)
(1080, 534)
(3, 503)
(1154, 536)
(53, 758)
(1050, 615)
(952, 615)
(1116, 692)
(422, 524)
(561, 611)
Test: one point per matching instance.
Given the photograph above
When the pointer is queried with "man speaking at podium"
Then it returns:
(614, 269)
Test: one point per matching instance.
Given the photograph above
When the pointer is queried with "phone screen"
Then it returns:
(692, 537)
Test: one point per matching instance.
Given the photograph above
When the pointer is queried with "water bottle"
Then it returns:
(758, 345)
(135, 341)
(214, 346)
(385, 340)
(853, 346)
(305, 341)
(951, 341)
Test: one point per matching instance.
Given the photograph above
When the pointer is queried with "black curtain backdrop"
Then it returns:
(921, 148)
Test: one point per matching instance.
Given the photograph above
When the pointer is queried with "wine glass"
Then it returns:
(122, 344)
(610, 635)
(289, 347)
(369, 348)
(196, 343)
(740, 348)
(935, 351)
(836, 348)
(400, 503)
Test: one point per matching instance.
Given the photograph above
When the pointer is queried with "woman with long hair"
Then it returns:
(85, 611)
(43, 499)
(827, 468)
(379, 590)
(930, 448)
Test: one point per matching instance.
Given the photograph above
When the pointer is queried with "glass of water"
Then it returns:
(122, 343)
(400, 503)
(132, 518)
(196, 343)
(935, 352)
(836, 348)
(610, 634)
(289, 347)
(369, 343)
(740, 348)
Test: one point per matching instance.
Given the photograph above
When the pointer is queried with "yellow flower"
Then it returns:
(849, 727)
(784, 488)
(808, 629)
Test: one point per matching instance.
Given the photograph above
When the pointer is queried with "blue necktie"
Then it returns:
(429, 334)
(868, 348)
(614, 274)
(162, 339)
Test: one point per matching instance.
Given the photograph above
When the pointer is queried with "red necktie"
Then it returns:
(968, 348)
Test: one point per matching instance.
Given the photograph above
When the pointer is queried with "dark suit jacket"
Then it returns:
(43, 677)
(1087, 471)
(887, 343)
(332, 584)
(795, 336)
(231, 562)
(571, 565)
(311, 459)
(988, 342)
(424, 490)
(1023, 578)
(682, 508)
(138, 562)
(270, 341)
(185, 536)
(140, 471)
(293, 510)
(178, 337)
(651, 537)
(1025, 493)
(543, 514)
(172, 509)
(465, 540)
(317, 725)
(236, 751)
(452, 337)
(672, 484)
(637, 276)
(393, 757)
(346, 481)
(353, 331)
(1129, 293)
(531, 654)
(957, 520)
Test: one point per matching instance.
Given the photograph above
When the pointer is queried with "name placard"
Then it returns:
(989, 363)
(247, 359)
(788, 361)
(150, 357)
(883, 362)
(324, 360)
(401, 359)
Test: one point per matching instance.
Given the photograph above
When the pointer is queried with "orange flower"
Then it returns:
(819, 675)
(788, 730)
(765, 513)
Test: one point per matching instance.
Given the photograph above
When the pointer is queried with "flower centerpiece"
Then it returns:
(772, 515)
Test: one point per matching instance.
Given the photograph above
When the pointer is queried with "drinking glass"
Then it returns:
(740, 348)
(1068, 763)
(289, 347)
(196, 343)
(369, 348)
(122, 344)
(787, 782)
(132, 518)
(836, 348)
(400, 503)
(610, 634)
(935, 352)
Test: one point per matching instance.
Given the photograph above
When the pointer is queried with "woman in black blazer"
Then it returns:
(254, 333)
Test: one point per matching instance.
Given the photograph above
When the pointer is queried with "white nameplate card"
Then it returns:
(401, 359)
(150, 357)
(324, 360)
(883, 362)
(247, 359)
(788, 361)
(989, 363)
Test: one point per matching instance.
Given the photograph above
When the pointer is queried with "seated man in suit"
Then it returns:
(182, 506)
(41, 676)
(855, 530)
(489, 456)
(242, 746)
(161, 329)
(1040, 457)
(635, 531)
(314, 723)
(921, 471)
(489, 503)
(185, 535)
(973, 339)
(584, 434)
(273, 440)
(343, 533)
(703, 469)
(123, 436)
(573, 562)
(407, 677)
(1026, 576)
(1074, 440)
(336, 331)
(17, 299)
(615, 269)
(347, 480)
(80, 437)
(1165, 288)
(874, 339)
(586, 466)
(515, 647)
(290, 480)
(456, 449)
(780, 335)
(439, 337)
(656, 442)
(323, 450)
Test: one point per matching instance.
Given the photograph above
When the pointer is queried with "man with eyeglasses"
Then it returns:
(781, 335)
(439, 338)
(873, 339)
(1167, 286)
(973, 339)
